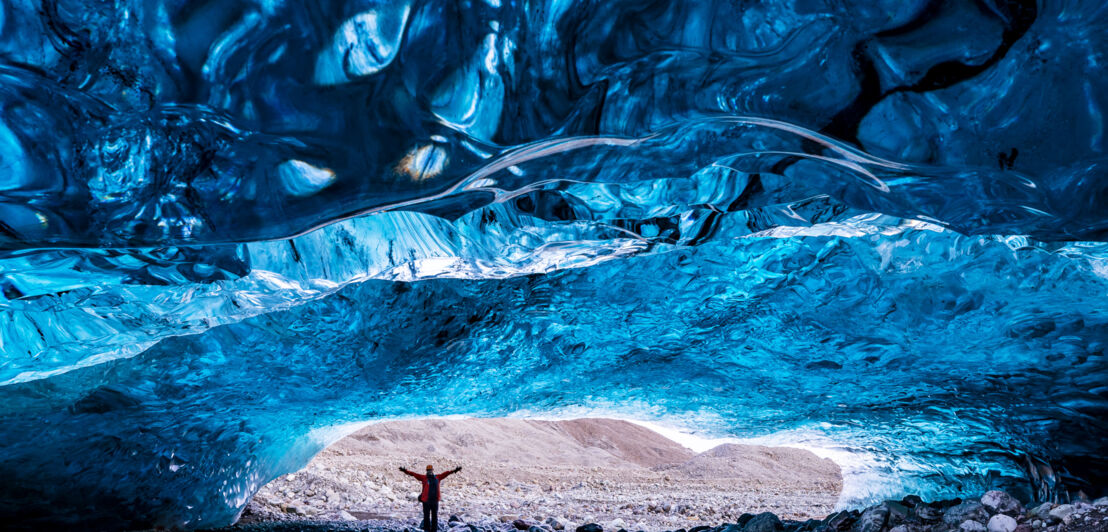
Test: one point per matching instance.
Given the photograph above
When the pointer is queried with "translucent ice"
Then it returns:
(227, 226)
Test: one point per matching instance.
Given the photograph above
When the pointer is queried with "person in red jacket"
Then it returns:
(430, 495)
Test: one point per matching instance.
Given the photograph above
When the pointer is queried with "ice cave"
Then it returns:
(229, 227)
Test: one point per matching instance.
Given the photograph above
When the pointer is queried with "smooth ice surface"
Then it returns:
(227, 227)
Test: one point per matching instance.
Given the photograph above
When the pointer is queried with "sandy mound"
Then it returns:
(579, 442)
(577, 471)
(755, 463)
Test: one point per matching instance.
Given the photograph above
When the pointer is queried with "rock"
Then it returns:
(873, 519)
(454, 519)
(928, 513)
(521, 524)
(616, 524)
(998, 502)
(897, 511)
(536, 529)
(700, 528)
(347, 516)
(1001, 523)
(968, 510)
(1061, 512)
(970, 525)
(839, 521)
(590, 527)
(1023, 527)
(763, 522)
(744, 519)
(1042, 511)
(811, 524)
(1101, 502)
(508, 518)
(555, 524)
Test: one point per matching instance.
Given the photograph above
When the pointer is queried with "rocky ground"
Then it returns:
(996, 511)
(564, 473)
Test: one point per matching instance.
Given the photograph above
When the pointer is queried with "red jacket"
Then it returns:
(427, 485)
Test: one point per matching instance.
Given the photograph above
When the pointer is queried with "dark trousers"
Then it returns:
(431, 516)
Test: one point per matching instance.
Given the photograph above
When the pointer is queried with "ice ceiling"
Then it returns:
(227, 226)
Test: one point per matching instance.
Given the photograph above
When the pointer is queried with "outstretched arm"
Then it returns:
(448, 473)
(413, 474)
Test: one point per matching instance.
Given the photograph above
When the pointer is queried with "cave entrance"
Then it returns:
(556, 474)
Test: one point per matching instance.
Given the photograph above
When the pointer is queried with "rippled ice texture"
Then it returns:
(227, 226)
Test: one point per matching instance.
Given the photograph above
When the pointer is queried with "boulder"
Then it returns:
(873, 519)
(555, 524)
(812, 524)
(928, 513)
(744, 519)
(898, 512)
(998, 502)
(839, 521)
(970, 525)
(521, 524)
(454, 519)
(1001, 523)
(590, 527)
(1061, 512)
(763, 522)
(968, 510)
(1042, 511)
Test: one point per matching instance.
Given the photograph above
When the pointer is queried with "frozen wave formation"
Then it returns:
(226, 226)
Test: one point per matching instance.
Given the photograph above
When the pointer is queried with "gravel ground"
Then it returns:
(995, 511)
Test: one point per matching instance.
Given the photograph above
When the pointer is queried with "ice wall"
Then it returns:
(225, 226)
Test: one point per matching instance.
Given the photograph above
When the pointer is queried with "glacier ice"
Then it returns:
(228, 226)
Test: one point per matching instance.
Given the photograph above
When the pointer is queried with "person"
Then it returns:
(430, 494)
